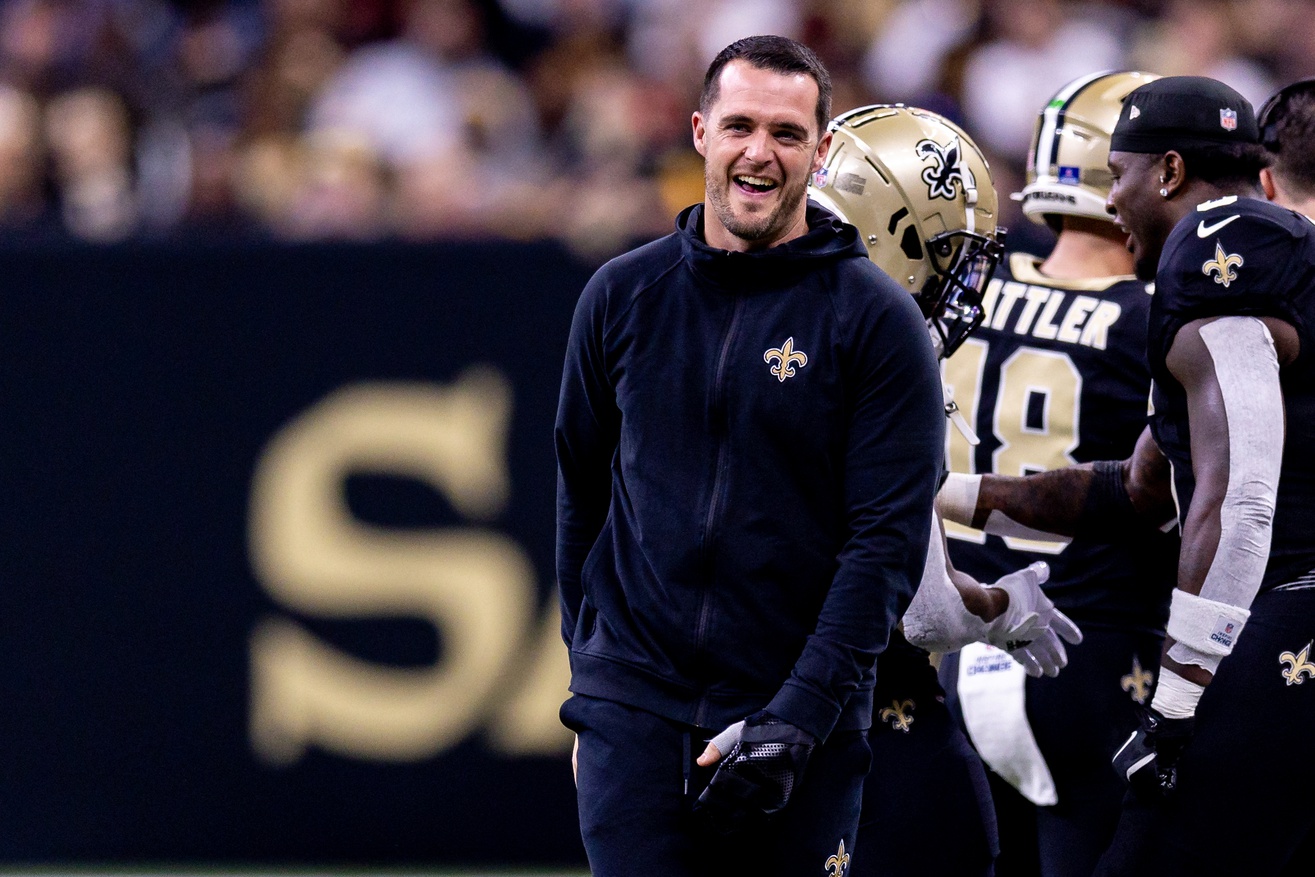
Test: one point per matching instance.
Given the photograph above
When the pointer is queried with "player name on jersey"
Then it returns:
(1050, 314)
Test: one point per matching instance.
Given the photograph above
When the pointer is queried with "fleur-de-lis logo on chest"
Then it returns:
(786, 358)
(1299, 666)
(1222, 265)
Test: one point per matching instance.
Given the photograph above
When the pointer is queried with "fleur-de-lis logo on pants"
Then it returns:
(1138, 682)
(1299, 666)
(899, 714)
(787, 358)
(837, 864)
(1222, 266)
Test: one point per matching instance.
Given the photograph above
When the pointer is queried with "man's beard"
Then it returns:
(755, 227)
(1144, 269)
(1147, 260)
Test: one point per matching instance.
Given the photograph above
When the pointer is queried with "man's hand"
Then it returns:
(1031, 628)
(1148, 761)
(764, 760)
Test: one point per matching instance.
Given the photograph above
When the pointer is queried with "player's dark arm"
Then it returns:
(1229, 369)
(1108, 499)
(952, 609)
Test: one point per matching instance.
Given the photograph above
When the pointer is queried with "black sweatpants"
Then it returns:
(637, 782)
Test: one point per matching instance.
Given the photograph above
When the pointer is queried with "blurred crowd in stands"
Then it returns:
(362, 120)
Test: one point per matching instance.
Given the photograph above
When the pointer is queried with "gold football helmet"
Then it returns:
(1067, 165)
(920, 193)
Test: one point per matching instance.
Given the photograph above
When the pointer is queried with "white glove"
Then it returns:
(1031, 628)
(721, 745)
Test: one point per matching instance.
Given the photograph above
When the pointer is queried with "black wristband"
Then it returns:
(1108, 509)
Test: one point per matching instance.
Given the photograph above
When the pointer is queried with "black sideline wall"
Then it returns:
(276, 555)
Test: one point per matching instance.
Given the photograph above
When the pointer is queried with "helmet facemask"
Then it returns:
(951, 297)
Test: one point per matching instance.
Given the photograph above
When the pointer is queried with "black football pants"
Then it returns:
(1079, 719)
(1245, 802)
(926, 804)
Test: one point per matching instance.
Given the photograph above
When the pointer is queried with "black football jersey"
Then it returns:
(1243, 256)
(1056, 375)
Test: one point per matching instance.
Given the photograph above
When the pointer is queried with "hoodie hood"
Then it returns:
(827, 239)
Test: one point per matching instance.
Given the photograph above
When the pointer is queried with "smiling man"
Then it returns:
(749, 438)
(761, 141)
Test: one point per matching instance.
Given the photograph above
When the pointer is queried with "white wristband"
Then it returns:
(1176, 697)
(1205, 629)
(957, 500)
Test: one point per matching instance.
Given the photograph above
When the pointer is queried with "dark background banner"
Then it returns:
(276, 555)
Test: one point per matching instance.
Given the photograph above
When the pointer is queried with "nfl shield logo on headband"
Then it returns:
(1228, 119)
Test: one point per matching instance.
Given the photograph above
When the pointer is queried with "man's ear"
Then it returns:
(1174, 172)
(700, 132)
(823, 147)
(1267, 184)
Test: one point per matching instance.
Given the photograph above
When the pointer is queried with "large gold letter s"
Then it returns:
(475, 585)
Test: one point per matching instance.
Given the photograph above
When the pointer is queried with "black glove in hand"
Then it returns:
(1148, 762)
(757, 777)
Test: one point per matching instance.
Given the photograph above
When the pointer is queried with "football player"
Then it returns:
(1057, 374)
(921, 195)
(1218, 770)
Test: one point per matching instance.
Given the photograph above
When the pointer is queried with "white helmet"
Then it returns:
(1068, 163)
(920, 193)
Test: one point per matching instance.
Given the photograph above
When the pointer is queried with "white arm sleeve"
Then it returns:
(937, 619)
(1246, 366)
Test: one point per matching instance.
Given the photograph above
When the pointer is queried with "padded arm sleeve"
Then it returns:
(1246, 366)
(937, 619)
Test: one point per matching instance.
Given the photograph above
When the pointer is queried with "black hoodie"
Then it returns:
(748, 449)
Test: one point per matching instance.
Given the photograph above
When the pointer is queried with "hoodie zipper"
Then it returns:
(721, 422)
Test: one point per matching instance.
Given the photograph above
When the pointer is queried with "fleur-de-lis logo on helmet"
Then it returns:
(786, 358)
(946, 170)
(899, 714)
(1299, 666)
(837, 864)
(1222, 265)
(1138, 682)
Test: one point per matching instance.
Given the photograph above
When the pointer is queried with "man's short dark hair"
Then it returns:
(1288, 134)
(777, 54)
(1238, 163)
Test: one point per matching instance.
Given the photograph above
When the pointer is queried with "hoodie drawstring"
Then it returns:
(685, 760)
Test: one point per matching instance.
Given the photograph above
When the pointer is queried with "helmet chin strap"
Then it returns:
(969, 191)
(956, 416)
